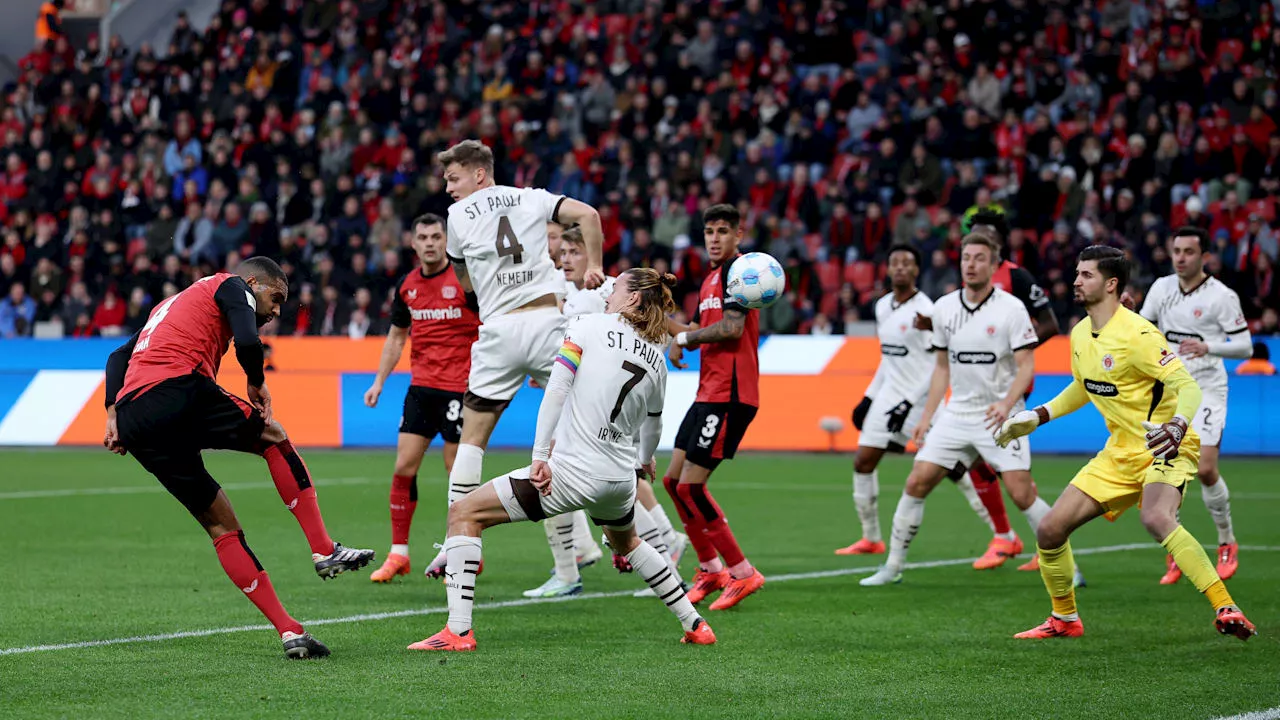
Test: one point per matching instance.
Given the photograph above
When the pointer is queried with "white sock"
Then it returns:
(465, 474)
(463, 564)
(1036, 513)
(659, 514)
(560, 537)
(1069, 617)
(1218, 501)
(665, 582)
(866, 496)
(906, 523)
(582, 540)
(971, 494)
(400, 550)
(648, 531)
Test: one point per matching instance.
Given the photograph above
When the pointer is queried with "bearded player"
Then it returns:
(164, 407)
(438, 319)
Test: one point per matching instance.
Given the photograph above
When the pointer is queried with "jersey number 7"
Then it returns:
(507, 244)
(637, 374)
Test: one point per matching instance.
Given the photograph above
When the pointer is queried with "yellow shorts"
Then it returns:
(1115, 480)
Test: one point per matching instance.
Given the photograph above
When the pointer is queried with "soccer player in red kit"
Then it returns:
(164, 406)
(727, 400)
(438, 318)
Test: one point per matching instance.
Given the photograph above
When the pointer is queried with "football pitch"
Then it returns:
(113, 605)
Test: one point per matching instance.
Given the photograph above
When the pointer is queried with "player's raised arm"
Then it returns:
(730, 327)
(453, 249)
(570, 212)
(1072, 398)
(563, 373)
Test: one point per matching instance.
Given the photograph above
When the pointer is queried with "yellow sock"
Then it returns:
(1195, 564)
(1057, 569)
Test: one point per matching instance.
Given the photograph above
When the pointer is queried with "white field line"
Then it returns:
(1268, 714)
(370, 617)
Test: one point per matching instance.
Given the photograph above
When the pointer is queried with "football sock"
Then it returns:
(659, 514)
(987, 485)
(404, 500)
(465, 474)
(1036, 512)
(866, 494)
(664, 581)
(462, 564)
(1057, 569)
(582, 540)
(242, 566)
(1195, 564)
(648, 531)
(708, 558)
(293, 482)
(697, 497)
(559, 529)
(975, 502)
(906, 523)
(1218, 501)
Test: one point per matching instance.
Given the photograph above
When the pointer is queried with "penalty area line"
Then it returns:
(1268, 714)
(523, 602)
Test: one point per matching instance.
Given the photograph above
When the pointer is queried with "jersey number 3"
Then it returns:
(637, 374)
(507, 244)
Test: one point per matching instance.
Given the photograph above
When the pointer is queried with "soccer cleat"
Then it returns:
(863, 547)
(341, 560)
(700, 634)
(302, 646)
(1228, 560)
(622, 564)
(738, 590)
(1032, 565)
(705, 583)
(435, 569)
(1172, 573)
(590, 557)
(999, 550)
(1231, 621)
(678, 547)
(883, 576)
(554, 587)
(1053, 627)
(395, 564)
(448, 640)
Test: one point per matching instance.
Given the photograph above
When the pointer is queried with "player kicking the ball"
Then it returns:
(984, 341)
(438, 319)
(1122, 364)
(1201, 317)
(611, 374)
(497, 240)
(164, 407)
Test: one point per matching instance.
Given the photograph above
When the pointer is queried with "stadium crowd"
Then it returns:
(307, 131)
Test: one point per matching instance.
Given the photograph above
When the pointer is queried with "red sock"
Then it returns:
(987, 483)
(293, 482)
(718, 533)
(404, 500)
(240, 564)
(692, 521)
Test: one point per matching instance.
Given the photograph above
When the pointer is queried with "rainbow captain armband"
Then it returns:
(570, 356)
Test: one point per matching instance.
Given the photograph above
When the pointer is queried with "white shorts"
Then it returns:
(960, 440)
(1211, 418)
(610, 503)
(512, 347)
(875, 428)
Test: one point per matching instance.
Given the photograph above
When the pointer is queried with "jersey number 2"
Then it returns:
(508, 244)
(637, 374)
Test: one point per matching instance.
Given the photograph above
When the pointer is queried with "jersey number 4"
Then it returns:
(507, 244)
(637, 374)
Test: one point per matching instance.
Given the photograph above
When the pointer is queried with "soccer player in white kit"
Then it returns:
(1201, 317)
(611, 374)
(496, 237)
(895, 399)
(984, 341)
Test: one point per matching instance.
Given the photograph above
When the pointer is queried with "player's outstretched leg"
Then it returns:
(711, 575)
(564, 579)
(665, 583)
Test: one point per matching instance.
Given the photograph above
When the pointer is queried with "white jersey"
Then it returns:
(980, 342)
(906, 362)
(584, 301)
(1210, 312)
(620, 380)
(500, 234)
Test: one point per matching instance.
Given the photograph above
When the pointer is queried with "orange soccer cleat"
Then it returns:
(1053, 627)
(999, 550)
(1231, 621)
(863, 547)
(705, 583)
(700, 634)
(1032, 565)
(1172, 573)
(738, 590)
(447, 640)
(395, 564)
(1228, 559)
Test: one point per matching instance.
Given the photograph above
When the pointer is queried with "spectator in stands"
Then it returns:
(17, 312)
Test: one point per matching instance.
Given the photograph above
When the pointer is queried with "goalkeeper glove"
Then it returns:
(860, 412)
(1018, 426)
(898, 416)
(1163, 440)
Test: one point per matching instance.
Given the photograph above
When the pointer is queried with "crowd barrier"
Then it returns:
(51, 393)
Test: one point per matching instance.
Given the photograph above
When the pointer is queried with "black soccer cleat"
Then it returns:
(303, 647)
(341, 560)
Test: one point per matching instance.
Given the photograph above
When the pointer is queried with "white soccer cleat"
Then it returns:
(436, 568)
(590, 557)
(678, 547)
(554, 587)
(883, 576)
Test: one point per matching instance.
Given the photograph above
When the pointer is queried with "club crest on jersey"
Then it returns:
(412, 293)
(449, 292)
(991, 330)
(1108, 362)
(1198, 313)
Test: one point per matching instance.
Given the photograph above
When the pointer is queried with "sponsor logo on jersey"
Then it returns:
(1104, 389)
(1108, 362)
(973, 358)
(893, 350)
(1166, 357)
(412, 293)
(449, 292)
(1175, 337)
(711, 303)
(450, 313)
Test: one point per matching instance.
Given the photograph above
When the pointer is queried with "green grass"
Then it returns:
(83, 567)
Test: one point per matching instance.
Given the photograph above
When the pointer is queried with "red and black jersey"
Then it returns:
(730, 369)
(1020, 283)
(442, 327)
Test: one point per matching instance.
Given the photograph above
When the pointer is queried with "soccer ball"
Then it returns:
(756, 280)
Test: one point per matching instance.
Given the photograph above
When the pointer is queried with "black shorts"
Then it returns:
(167, 426)
(428, 412)
(711, 432)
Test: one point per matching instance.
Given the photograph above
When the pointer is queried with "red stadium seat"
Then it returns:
(829, 276)
(829, 305)
(1178, 215)
(813, 243)
(861, 274)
